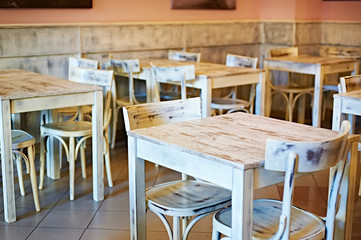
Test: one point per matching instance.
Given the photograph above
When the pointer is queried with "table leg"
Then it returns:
(242, 204)
(261, 95)
(317, 97)
(52, 155)
(136, 192)
(7, 162)
(97, 141)
(206, 96)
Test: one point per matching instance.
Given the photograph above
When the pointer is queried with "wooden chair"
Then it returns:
(172, 92)
(121, 67)
(79, 130)
(292, 91)
(349, 84)
(23, 140)
(230, 102)
(273, 219)
(72, 113)
(179, 199)
(178, 75)
(184, 56)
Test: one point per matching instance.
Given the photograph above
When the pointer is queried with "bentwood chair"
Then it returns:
(184, 198)
(173, 92)
(121, 67)
(291, 91)
(349, 84)
(178, 75)
(79, 130)
(72, 113)
(273, 219)
(23, 140)
(230, 102)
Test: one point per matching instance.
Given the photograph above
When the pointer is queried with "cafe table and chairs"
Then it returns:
(319, 66)
(209, 76)
(227, 150)
(24, 91)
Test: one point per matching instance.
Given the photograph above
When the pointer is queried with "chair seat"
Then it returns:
(293, 89)
(330, 87)
(141, 98)
(229, 103)
(68, 129)
(187, 198)
(304, 225)
(21, 139)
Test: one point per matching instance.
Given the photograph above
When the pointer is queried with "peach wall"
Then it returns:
(159, 10)
(135, 10)
(347, 11)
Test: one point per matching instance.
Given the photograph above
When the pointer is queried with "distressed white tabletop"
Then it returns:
(16, 84)
(322, 60)
(237, 139)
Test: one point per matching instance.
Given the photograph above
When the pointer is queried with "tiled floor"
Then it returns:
(83, 218)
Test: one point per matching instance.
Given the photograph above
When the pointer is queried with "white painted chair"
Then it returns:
(79, 130)
(72, 113)
(124, 66)
(178, 75)
(173, 91)
(184, 56)
(273, 219)
(291, 91)
(230, 102)
(349, 84)
(178, 199)
(23, 140)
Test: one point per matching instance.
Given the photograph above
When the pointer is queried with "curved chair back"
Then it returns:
(241, 61)
(158, 113)
(280, 52)
(181, 74)
(350, 83)
(292, 157)
(83, 63)
(184, 56)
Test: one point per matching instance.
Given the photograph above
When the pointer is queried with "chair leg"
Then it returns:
(290, 107)
(114, 128)
(31, 157)
(42, 161)
(19, 166)
(184, 224)
(176, 229)
(82, 159)
(60, 147)
(71, 160)
(301, 109)
(215, 234)
(107, 163)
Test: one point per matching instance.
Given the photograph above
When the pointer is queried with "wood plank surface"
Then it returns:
(322, 60)
(211, 70)
(237, 139)
(18, 84)
(355, 95)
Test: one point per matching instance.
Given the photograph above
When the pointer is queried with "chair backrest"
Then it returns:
(241, 61)
(127, 66)
(83, 63)
(158, 113)
(279, 52)
(103, 78)
(292, 157)
(350, 83)
(160, 74)
(184, 56)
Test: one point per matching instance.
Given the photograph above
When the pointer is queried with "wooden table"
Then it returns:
(211, 76)
(22, 91)
(228, 150)
(314, 65)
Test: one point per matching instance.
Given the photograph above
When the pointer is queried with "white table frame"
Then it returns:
(212, 80)
(48, 99)
(238, 175)
(314, 65)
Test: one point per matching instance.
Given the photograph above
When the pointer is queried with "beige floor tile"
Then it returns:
(56, 234)
(15, 232)
(108, 234)
(67, 219)
(110, 220)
